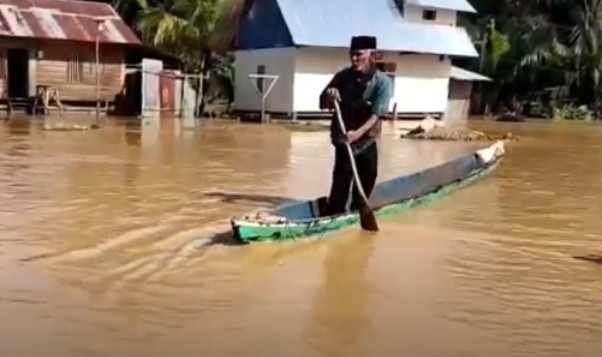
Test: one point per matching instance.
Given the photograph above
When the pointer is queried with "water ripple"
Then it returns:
(118, 240)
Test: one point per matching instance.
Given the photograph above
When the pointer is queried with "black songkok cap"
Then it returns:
(363, 43)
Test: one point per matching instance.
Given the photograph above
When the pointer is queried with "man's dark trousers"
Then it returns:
(342, 177)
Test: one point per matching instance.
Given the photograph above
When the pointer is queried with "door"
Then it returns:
(17, 63)
(168, 88)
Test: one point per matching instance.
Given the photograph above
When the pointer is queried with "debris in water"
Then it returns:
(68, 127)
(430, 129)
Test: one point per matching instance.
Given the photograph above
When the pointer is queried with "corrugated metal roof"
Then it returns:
(457, 5)
(462, 74)
(63, 20)
(332, 23)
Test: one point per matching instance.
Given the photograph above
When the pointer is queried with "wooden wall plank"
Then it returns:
(70, 68)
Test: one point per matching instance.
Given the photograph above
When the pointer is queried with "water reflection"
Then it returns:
(133, 131)
(18, 126)
(340, 317)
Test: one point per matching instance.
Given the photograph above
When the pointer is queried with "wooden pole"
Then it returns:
(97, 83)
(182, 88)
(99, 23)
(97, 77)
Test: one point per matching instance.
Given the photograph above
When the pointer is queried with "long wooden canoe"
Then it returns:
(303, 219)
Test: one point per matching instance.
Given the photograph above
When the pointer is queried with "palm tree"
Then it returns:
(569, 37)
(527, 46)
(501, 31)
(182, 28)
(585, 42)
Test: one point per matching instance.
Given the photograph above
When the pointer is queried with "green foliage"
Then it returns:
(570, 112)
(180, 27)
(530, 45)
(498, 45)
(538, 110)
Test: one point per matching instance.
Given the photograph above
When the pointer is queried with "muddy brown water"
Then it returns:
(103, 247)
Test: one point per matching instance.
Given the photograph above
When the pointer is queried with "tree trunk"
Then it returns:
(204, 82)
(596, 75)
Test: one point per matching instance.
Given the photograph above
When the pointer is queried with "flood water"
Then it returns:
(104, 247)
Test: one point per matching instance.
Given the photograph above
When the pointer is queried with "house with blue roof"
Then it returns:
(304, 42)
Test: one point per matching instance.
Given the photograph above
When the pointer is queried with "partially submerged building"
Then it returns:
(52, 43)
(461, 93)
(304, 42)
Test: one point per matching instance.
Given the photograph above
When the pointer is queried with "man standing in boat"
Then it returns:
(364, 93)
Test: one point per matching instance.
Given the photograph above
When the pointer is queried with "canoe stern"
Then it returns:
(247, 231)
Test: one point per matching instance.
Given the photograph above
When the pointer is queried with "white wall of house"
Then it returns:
(421, 82)
(314, 68)
(443, 17)
(279, 61)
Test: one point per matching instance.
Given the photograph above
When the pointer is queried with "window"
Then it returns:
(91, 63)
(75, 68)
(91, 66)
(80, 66)
(3, 68)
(390, 68)
(260, 70)
(429, 15)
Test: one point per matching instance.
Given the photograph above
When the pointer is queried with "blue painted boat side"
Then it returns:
(420, 182)
(298, 210)
(394, 190)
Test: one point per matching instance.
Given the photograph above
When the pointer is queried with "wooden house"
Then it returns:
(53, 43)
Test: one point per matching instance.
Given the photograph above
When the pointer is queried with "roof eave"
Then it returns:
(453, 54)
(464, 75)
(402, 51)
(471, 10)
(471, 80)
(466, 10)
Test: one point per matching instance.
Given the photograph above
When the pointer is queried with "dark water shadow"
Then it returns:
(592, 258)
(133, 131)
(18, 126)
(243, 198)
(339, 316)
(225, 238)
